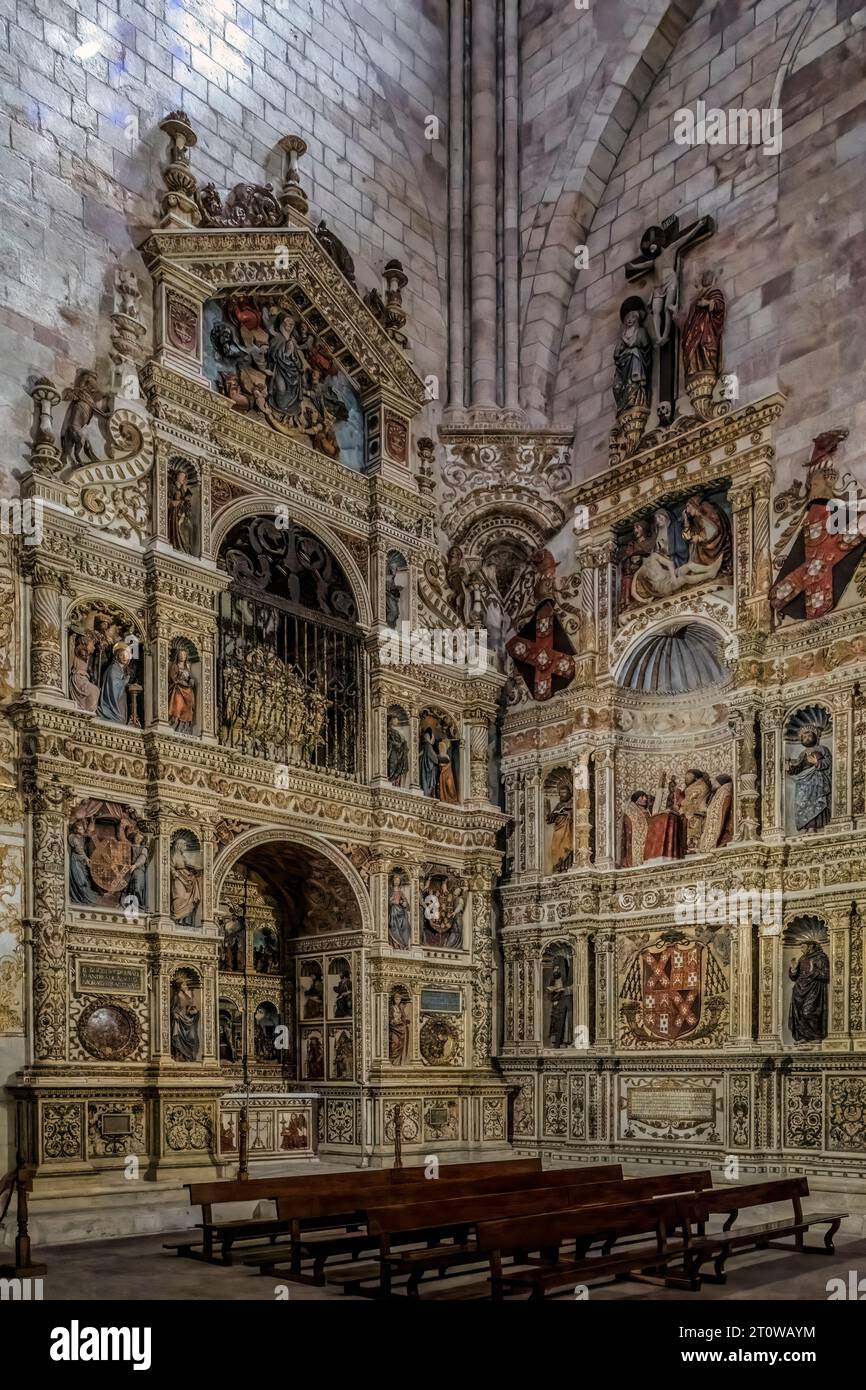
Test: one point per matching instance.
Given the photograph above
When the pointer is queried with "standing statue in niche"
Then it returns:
(185, 1021)
(392, 591)
(399, 929)
(181, 519)
(559, 992)
(81, 886)
(447, 788)
(181, 690)
(185, 881)
(814, 773)
(561, 817)
(811, 975)
(693, 802)
(429, 774)
(398, 1028)
(114, 696)
(398, 752)
(83, 690)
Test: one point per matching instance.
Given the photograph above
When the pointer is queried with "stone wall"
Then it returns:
(80, 151)
(790, 240)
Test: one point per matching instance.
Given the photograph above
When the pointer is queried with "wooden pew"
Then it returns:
(654, 1219)
(321, 1246)
(718, 1246)
(459, 1220)
(200, 1242)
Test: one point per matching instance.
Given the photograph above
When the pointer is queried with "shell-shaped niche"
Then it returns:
(676, 661)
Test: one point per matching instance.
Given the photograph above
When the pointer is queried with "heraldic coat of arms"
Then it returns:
(673, 990)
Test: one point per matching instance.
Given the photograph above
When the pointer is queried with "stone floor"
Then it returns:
(138, 1268)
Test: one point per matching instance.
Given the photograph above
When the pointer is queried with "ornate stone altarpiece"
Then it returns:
(154, 845)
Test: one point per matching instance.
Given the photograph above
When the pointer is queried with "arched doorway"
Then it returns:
(289, 973)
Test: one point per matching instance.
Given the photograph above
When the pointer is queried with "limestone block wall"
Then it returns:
(80, 151)
(790, 238)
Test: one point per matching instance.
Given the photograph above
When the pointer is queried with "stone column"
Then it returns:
(856, 973)
(482, 188)
(773, 761)
(414, 741)
(477, 742)
(46, 629)
(770, 990)
(456, 210)
(48, 922)
(512, 830)
(581, 802)
(208, 694)
(740, 1022)
(605, 810)
(603, 557)
(533, 1010)
(533, 838)
(741, 507)
(511, 952)
(606, 1022)
(843, 730)
(762, 559)
(483, 966)
(580, 991)
(838, 950)
(742, 726)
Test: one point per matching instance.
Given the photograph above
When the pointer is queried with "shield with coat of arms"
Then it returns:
(671, 989)
(110, 862)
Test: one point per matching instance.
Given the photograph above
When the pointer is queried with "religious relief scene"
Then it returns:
(433, 666)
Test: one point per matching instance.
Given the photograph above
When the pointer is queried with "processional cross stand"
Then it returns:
(398, 1136)
(660, 260)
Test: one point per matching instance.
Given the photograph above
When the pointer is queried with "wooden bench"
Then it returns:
(454, 1223)
(200, 1242)
(322, 1246)
(654, 1219)
(718, 1246)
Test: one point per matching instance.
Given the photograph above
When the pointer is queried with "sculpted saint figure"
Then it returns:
(702, 334)
(83, 690)
(181, 691)
(633, 358)
(807, 1018)
(398, 1029)
(399, 931)
(814, 773)
(693, 802)
(185, 1020)
(398, 753)
(113, 698)
(561, 817)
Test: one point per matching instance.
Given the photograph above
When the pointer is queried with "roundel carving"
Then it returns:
(108, 1031)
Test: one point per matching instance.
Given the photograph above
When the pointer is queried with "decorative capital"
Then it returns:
(292, 196)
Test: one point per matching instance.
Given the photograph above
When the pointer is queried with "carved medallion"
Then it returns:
(108, 1032)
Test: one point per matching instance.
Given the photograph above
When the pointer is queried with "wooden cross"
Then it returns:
(661, 252)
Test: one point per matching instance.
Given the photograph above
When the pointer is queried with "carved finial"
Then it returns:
(426, 453)
(127, 331)
(45, 455)
(292, 196)
(178, 207)
(395, 282)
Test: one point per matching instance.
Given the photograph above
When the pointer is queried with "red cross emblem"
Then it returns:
(818, 567)
(542, 653)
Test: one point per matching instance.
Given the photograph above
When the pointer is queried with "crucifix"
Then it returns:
(661, 251)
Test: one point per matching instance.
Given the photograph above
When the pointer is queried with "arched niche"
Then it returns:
(290, 675)
(396, 589)
(185, 1015)
(397, 755)
(557, 994)
(183, 505)
(439, 757)
(809, 769)
(558, 795)
(106, 663)
(805, 981)
(293, 913)
(679, 659)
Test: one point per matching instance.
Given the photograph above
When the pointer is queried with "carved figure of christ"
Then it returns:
(661, 252)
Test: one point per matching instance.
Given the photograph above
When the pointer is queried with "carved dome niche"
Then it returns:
(677, 661)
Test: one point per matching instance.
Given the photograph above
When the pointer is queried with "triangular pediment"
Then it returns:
(289, 263)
